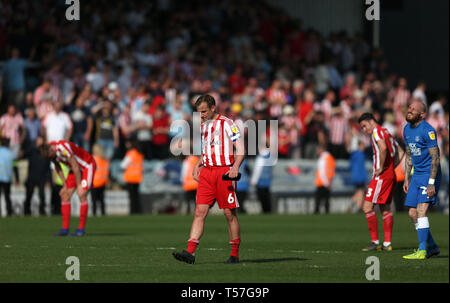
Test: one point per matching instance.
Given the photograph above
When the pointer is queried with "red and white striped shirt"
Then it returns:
(380, 133)
(9, 127)
(338, 129)
(218, 137)
(66, 149)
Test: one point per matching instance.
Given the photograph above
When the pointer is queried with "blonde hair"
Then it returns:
(97, 150)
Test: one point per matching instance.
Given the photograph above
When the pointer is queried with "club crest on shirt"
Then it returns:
(432, 135)
(234, 130)
(417, 138)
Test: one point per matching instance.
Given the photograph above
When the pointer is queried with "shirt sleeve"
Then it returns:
(377, 135)
(431, 138)
(232, 131)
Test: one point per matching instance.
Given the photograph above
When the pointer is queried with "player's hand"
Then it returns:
(406, 186)
(431, 190)
(196, 172)
(233, 172)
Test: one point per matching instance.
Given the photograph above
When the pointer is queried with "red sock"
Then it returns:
(83, 214)
(65, 212)
(373, 225)
(192, 246)
(235, 247)
(388, 223)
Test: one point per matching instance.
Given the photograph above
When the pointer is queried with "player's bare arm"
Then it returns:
(238, 158)
(197, 168)
(435, 159)
(59, 171)
(383, 151)
(408, 167)
(68, 134)
(399, 154)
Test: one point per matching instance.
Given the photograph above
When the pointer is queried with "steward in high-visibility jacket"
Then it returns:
(101, 175)
(187, 168)
(134, 166)
(326, 168)
(187, 180)
(101, 178)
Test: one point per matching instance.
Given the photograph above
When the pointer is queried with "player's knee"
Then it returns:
(412, 213)
(421, 213)
(200, 213)
(367, 208)
(229, 215)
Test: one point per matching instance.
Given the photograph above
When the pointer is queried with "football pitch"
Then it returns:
(274, 248)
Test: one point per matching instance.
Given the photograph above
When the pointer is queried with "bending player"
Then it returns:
(422, 153)
(386, 154)
(218, 161)
(82, 168)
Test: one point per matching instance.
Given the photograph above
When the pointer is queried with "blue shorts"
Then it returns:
(417, 192)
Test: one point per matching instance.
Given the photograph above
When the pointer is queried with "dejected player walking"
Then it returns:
(216, 172)
(386, 154)
(82, 168)
(422, 154)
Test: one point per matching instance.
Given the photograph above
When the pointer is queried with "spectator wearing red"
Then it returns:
(305, 110)
(349, 87)
(284, 142)
(277, 98)
(12, 127)
(236, 81)
(339, 127)
(160, 138)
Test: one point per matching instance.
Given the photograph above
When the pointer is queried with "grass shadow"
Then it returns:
(108, 234)
(411, 248)
(272, 260)
(439, 257)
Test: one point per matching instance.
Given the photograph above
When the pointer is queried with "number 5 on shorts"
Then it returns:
(369, 192)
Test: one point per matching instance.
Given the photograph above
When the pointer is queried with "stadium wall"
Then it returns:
(292, 189)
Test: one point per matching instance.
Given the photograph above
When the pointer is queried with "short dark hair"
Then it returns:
(366, 117)
(4, 141)
(44, 150)
(205, 98)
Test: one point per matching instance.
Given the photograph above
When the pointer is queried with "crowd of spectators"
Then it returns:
(127, 70)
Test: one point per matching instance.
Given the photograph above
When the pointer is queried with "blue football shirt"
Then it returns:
(419, 140)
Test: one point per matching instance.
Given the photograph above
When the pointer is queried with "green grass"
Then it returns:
(275, 248)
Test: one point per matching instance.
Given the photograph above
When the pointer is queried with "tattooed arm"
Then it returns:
(435, 159)
(408, 167)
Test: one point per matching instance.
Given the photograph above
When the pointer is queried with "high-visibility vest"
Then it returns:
(101, 172)
(326, 167)
(56, 179)
(189, 183)
(400, 171)
(135, 169)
